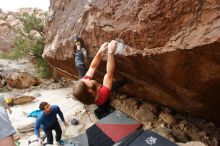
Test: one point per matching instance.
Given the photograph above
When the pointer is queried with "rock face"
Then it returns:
(6, 34)
(9, 22)
(23, 99)
(174, 57)
(22, 80)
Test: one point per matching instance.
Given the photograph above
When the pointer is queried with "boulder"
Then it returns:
(174, 55)
(22, 99)
(22, 80)
(26, 125)
(144, 115)
(167, 118)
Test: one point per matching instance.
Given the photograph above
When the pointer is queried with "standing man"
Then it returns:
(48, 121)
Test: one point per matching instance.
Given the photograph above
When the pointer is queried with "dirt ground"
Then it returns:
(176, 126)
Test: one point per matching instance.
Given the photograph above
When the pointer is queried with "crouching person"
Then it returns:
(48, 121)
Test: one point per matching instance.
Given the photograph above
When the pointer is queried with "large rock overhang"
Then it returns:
(174, 51)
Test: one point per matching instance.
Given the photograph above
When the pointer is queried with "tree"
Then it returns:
(30, 41)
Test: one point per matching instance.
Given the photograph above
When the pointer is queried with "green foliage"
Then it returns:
(22, 49)
(30, 40)
(37, 48)
(2, 18)
(32, 22)
(43, 68)
(5, 89)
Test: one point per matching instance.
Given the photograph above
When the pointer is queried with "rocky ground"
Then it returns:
(178, 127)
(55, 94)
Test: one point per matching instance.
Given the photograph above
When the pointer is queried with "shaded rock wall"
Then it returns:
(174, 49)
